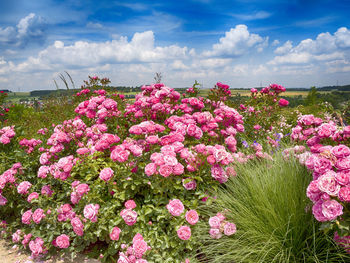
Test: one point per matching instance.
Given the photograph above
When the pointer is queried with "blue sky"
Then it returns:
(297, 43)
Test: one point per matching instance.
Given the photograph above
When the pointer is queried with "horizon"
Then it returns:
(242, 43)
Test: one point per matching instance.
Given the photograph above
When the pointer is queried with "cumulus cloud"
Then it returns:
(82, 54)
(237, 42)
(325, 47)
(30, 29)
(285, 48)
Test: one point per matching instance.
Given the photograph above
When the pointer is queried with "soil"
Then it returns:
(11, 254)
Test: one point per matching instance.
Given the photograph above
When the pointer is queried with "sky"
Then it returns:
(243, 43)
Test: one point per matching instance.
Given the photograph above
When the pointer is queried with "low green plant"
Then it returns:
(267, 203)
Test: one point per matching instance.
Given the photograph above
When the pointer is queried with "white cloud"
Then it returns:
(285, 48)
(253, 16)
(94, 25)
(81, 54)
(232, 60)
(276, 42)
(30, 29)
(212, 63)
(236, 42)
(326, 47)
(342, 37)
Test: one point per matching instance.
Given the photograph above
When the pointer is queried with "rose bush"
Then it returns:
(122, 179)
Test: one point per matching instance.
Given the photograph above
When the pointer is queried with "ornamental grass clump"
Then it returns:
(272, 217)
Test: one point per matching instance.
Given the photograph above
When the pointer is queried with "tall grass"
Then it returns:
(267, 202)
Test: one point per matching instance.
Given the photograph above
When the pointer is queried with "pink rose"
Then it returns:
(322, 165)
(343, 164)
(313, 192)
(165, 170)
(62, 241)
(331, 209)
(215, 222)
(215, 233)
(340, 151)
(189, 184)
(175, 207)
(229, 229)
(130, 204)
(283, 103)
(35, 247)
(32, 196)
(16, 236)
(218, 173)
(140, 247)
(328, 184)
(344, 194)
(3, 200)
(82, 189)
(317, 211)
(27, 216)
(129, 216)
(43, 171)
(120, 155)
(114, 235)
(23, 187)
(150, 169)
(192, 217)
(106, 174)
(343, 177)
(46, 190)
(78, 226)
(184, 232)
(91, 211)
(178, 169)
(38, 215)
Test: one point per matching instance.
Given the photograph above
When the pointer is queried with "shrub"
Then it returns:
(274, 223)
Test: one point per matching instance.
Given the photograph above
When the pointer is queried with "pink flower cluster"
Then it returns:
(82, 92)
(331, 185)
(37, 247)
(6, 134)
(42, 131)
(146, 127)
(165, 163)
(219, 225)
(29, 145)
(135, 252)
(61, 170)
(176, 208)
(313, 130)
(8, 177)
(159, 98)
(98, 107)
(129, 146)
(65, 212)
